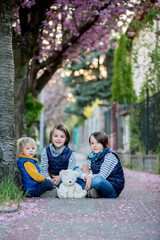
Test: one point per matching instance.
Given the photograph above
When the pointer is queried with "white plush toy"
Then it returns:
(69, 188)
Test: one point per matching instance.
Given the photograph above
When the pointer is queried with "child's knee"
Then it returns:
(97, 180)
(49, 184)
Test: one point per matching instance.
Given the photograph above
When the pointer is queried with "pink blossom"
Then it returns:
(115, 45)
(65, 26)
(28, 3)
(158, 17)
(115, 226)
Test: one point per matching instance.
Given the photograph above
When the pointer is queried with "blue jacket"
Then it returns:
(28, 183)
(116, 178)
(56, 164)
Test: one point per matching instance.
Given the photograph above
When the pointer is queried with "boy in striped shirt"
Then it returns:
(107, 178)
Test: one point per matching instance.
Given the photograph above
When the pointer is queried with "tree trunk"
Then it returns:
(20, 89)
(24, 50)
(7, 121)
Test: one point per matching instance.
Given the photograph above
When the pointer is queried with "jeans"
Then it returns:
(47, 185)
(104, 187)
(81, 183)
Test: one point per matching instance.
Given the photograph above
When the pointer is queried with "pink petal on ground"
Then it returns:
(115, 226)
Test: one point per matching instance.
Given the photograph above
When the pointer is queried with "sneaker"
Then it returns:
(93, 193)
(52, 193)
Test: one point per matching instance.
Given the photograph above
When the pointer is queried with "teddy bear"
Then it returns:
(69, 188)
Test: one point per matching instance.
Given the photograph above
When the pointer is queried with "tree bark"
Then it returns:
(21, 61)
(7, 121)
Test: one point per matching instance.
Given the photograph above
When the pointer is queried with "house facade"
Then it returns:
(144, 43)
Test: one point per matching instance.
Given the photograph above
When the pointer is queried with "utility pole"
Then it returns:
(115, 113)
(41, 131)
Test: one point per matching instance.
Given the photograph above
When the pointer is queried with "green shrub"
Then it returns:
(10, 193)
(122, 84)
(33, 109)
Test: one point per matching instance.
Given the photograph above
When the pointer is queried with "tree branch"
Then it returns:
(56, 60)
(73, 39)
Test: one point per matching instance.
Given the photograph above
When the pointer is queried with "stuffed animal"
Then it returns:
(69, 188)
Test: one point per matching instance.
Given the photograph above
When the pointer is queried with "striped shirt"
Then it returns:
(110, 161)
(44, 163)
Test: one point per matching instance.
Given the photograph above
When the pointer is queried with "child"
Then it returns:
(107, 179)
(57, 156)
(33, 182)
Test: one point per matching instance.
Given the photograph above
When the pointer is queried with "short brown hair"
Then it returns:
(23, 141)
(101, 137)
(62, 128)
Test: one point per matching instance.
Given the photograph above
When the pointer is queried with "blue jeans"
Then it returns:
(104, 187)
(47, 185)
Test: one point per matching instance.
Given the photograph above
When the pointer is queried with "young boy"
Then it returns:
(33, 182)
(107, 178)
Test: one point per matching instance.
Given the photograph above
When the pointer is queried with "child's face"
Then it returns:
(96, 147)
(58, 139)
(29, 150)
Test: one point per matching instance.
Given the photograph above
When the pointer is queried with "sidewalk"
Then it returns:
(134, 215)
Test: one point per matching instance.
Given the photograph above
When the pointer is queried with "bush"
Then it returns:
(33, 109)
(10, 193)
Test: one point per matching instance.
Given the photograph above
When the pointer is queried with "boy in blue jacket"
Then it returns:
(33, 182)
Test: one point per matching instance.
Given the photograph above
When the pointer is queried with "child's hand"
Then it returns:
(85, 169)
(88, 183)
(56, 180)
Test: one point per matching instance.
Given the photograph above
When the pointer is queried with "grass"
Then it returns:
(10, 192)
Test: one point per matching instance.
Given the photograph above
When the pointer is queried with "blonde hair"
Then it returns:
(22, 141)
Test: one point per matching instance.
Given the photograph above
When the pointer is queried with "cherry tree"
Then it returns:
(48, 34)
(51, 33)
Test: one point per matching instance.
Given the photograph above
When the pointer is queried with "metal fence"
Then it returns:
(146, 119)
(148, 123)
